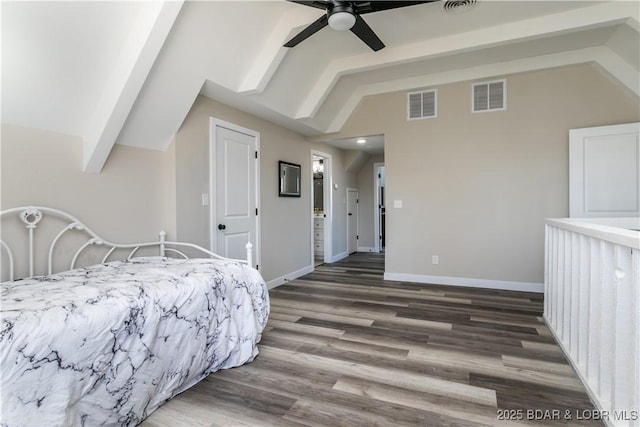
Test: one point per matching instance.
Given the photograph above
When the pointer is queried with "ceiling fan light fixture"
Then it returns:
(342, 21)
(345, 15)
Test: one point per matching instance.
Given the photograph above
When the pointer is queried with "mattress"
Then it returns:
(108, 344)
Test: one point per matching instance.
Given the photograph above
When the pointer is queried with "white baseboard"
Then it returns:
(338, 257)
(465, 281)
(289, 277)
(366, 249)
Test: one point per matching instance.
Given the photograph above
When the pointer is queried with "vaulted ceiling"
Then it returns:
(129, 72)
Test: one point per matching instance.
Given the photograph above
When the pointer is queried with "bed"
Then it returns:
(108, 343)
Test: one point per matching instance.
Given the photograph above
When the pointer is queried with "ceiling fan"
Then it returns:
(345, 15)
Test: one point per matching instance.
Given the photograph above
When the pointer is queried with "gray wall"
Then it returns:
(285, 222)
(476, 188)
(131, 200)
(140, 192)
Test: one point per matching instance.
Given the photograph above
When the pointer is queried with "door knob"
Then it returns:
(350, 214)
(221, 226)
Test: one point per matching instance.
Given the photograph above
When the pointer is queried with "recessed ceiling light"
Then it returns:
(361, 141)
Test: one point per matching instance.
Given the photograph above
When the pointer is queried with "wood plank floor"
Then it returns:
(343, 347)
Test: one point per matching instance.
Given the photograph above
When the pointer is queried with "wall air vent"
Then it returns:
(422, 105)
(489, 96)
(458, 6)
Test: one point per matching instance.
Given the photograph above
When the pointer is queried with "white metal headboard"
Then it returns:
(30, 216)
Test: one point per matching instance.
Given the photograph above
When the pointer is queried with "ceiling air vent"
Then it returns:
(489, 96)
(422, 105)
(458, 6)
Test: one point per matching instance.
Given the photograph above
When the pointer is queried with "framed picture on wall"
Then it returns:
(289, 183)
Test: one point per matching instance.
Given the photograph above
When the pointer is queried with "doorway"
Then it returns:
(321, 208)
(379, 204)
(234, 187)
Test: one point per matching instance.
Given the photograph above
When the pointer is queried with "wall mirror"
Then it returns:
(289, 179)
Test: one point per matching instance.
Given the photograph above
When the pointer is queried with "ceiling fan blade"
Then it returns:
(317, 4)
(366, 34)
(376, 6)
(316, 26)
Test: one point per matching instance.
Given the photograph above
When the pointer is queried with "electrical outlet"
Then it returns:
(434, 259)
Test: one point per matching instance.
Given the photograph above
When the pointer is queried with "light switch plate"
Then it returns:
(397, 204)
(205, 199)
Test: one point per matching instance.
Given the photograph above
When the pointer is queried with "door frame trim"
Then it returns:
(213, 124)
(357, 213)
(327, 205)
(377, 230)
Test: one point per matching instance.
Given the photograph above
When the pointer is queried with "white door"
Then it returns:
(352, 220)
(604, 171)
(234, 204)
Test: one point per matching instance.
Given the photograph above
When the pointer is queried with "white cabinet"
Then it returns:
(318, 236)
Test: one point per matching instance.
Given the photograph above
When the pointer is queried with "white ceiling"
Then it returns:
(128, 72)
(373, 144)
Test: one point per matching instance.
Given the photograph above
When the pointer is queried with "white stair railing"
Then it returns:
(592, 306)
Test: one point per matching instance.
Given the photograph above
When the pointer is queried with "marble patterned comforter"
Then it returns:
(108, 344)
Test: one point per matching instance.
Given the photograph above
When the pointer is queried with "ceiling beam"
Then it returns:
(272, 52)
(595, 16)
(600, 55)
(128, 76)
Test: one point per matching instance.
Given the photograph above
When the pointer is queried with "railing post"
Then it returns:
(249, 247)
(163, 235)
(30, 217)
